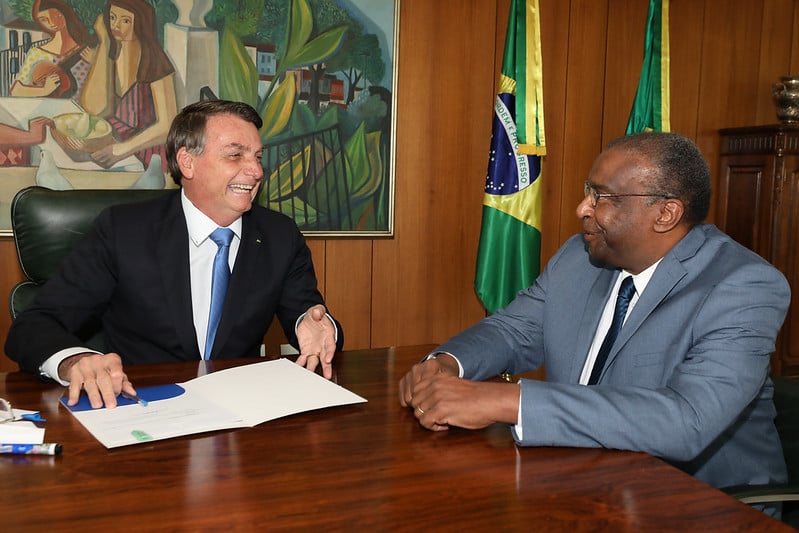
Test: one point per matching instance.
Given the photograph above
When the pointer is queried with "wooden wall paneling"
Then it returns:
(318, 248)
(624, 53)
(730, 53)
(384, 320)
(582, 117)
(412, 118)
(745, 43)
(348, 273)
(502, 14)
(274, 336)
(423, 279)
(794, 70)
(685, 43)
(555, 34)
(775, 56)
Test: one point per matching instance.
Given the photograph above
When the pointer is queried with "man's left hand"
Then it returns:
(442, 400)
(317, 338)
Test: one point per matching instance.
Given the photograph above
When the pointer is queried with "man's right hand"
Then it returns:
(442, 363)
(101, 376)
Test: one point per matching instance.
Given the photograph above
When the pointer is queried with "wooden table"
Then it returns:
(367, 467)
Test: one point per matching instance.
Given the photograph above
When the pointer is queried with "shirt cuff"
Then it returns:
(518, 427)
(50, 367)
(432, 355)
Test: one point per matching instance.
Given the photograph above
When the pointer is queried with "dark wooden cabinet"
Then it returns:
(757, 206)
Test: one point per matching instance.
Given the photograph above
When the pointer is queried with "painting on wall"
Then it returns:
(88, 89)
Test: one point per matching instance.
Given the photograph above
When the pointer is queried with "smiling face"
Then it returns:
(222, 181)
(620, 232)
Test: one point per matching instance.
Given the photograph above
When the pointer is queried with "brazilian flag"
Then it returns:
(650, 111)
(509, 253)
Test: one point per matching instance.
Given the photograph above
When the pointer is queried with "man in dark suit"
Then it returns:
(145, 271)
(685, 378)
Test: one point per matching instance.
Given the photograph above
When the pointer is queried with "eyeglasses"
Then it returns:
(588, 190)
(6, 412)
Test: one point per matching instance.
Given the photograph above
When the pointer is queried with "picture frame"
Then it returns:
(324, 83)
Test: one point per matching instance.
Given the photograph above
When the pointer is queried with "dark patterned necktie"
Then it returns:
(626, 292)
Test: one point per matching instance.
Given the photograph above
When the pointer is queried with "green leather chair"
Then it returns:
(48, 223)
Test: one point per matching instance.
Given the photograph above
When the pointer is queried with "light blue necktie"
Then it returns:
(219, 281)
(626, 292)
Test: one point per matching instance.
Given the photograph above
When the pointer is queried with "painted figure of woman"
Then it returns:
(131, 83)
(56, 67)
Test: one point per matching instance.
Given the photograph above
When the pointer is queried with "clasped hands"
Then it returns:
(103, 378)
(441, 399)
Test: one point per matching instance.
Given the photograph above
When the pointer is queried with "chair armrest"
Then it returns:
(764, 493)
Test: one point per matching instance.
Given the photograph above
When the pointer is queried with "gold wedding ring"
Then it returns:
(421, 412)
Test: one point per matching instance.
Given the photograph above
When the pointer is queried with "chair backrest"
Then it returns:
(48, 223)
(786, 400)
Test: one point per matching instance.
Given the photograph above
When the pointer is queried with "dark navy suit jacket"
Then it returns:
(131, 274)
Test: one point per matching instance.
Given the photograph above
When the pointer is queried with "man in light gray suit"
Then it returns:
(687, 377)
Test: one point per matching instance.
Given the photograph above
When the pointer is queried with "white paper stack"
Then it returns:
(21, 432)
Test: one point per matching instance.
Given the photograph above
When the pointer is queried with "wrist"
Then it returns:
(66, 365)
(447, 363)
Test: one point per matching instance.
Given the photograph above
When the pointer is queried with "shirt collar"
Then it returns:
(198, 223)
(641, 280)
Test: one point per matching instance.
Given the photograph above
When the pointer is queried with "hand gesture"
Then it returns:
(317, 338)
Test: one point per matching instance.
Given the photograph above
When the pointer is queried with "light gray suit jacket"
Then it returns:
(687, 379)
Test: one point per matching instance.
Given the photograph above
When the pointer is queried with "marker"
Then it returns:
(134, 398)
(48, 448)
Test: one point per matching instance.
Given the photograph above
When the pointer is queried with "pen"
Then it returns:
(134, 398)
(48, 448)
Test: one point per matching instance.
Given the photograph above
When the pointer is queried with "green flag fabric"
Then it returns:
(650, 111)
(509, 253)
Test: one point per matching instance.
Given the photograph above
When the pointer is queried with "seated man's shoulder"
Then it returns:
(140, 212)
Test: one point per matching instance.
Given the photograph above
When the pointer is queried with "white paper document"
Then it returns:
(243, 396)
(21, 431)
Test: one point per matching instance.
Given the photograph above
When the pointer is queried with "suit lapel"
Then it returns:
(667, 275)
(176, 278)
(592, 312)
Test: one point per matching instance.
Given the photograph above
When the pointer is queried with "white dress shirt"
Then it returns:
(640, 281)
(202, 251)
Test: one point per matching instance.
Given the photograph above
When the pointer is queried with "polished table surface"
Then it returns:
(367, 466)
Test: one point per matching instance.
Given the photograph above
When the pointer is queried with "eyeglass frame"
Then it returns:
(588, 190)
